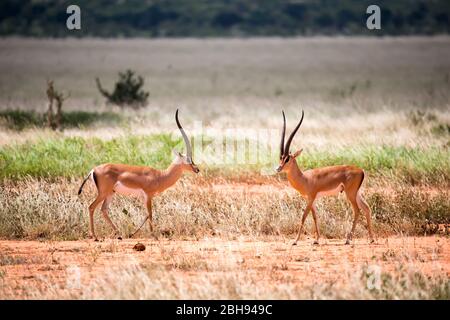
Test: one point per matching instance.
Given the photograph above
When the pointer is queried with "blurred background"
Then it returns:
(219, 18)
(229, 64)
(378, 99)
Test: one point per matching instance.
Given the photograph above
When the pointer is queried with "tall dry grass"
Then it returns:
(40, 209)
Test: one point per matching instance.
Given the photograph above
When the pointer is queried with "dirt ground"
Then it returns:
(26, 265)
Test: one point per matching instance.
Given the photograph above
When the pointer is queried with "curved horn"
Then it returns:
(283, 133)
(185, 138)
(288, 143)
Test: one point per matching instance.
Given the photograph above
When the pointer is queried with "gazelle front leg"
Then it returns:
(305, 214)
(92, 208)
(314, 213)
(104, 209)
(148, 203)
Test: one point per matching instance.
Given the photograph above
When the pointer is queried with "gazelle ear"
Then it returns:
(297, 153)
(176, 153)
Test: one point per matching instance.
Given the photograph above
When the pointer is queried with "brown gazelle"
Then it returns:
(315, 183)
(136, 180)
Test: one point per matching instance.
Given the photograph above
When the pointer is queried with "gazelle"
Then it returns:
(315, 183)
(136, 180)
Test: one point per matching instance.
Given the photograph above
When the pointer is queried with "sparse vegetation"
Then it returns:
(249, 269)
(20, 119)
(6, 260)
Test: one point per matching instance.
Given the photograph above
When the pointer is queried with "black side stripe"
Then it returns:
(95, 179)
(362, 179)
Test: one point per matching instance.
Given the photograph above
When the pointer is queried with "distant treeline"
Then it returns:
(203, 18)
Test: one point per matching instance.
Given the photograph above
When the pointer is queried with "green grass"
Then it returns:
(69, 157)
(19, 120)
(429, 164)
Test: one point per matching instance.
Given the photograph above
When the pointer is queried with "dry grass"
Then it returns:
(38, 209)
(251, 268)
(140, 283)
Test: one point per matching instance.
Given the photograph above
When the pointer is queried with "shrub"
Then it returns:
(127, 91)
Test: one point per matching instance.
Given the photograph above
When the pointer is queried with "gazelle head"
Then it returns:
(286, 158)
(185, 160)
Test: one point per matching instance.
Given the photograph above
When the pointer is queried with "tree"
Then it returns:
(55, 121)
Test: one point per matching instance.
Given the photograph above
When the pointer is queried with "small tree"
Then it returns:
(54, 121)
(127, 91)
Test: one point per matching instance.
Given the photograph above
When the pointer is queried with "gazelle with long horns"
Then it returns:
(315, 183)
(136, 180)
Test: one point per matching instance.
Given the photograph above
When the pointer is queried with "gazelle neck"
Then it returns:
(295, 175)
(171, 175)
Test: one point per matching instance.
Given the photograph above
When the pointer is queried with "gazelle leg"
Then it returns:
(92, 208)
(149, 212)
(362, 204)
(314, 214)
(305, 214)
(355, 220)
(148, 203)
(105, 208)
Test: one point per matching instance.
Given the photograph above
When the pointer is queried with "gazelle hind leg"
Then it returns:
(362, 204)
(352, 199)
(105, 208)
(92, 208)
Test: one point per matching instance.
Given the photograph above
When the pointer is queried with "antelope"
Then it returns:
(326, 181)
(136, 180)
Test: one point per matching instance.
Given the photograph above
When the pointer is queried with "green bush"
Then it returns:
(127, 91)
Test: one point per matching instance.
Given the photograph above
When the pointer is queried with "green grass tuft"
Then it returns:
(68, 157)
(414, 165)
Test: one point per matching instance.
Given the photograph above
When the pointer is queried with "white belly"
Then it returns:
(124, 190)
(331, 192)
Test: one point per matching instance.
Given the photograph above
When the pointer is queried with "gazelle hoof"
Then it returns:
(294, 243)
(119, 238)
(316, 242)
(96, 240)
(347, 242)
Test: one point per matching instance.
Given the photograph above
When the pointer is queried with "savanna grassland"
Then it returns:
(379, 103)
